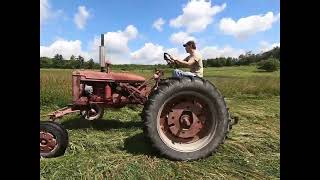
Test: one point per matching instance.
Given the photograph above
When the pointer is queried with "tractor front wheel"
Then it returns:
(94, 112)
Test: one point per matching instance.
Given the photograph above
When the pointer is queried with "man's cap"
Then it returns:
(190, 43)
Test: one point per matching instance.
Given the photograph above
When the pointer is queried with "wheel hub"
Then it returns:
(183, 120)
(47, 142)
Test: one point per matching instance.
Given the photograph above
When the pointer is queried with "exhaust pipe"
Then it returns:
(102, 54)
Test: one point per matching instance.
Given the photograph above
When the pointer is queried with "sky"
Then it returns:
(140, 31)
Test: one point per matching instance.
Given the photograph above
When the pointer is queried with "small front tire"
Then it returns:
(53, 139)
(96, 112)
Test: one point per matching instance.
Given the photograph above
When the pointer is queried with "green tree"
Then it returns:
(90, 64)
(58, 57)
(72, 57)
(81, 61)
(45, 62)
(269, 65)
(58, 61)
(229, 61)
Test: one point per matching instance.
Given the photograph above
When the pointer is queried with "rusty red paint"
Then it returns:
(111, 76)
(81, 101)
(75, 88)
(136, 94)
(47, 142)
(61, 112)
(96, 98)
(183, 120)
(183, 125)
(173, 121)
(107, 92)
(145, 90)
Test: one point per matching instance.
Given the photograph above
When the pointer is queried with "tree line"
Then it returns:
(73, 62)
(78, 62)
(244, 59)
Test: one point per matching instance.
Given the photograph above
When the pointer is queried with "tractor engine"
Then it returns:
(108, 88)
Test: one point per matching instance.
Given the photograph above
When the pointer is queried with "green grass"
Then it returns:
(114, 148)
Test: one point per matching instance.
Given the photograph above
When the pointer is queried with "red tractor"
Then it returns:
(184, 118)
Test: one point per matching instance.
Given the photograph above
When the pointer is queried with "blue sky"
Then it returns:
(132, 38)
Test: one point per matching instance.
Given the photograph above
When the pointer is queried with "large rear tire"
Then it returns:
(186, 118)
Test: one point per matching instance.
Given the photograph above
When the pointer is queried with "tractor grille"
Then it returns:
(76, 87)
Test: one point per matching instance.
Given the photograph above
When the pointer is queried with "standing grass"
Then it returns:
(55, 85)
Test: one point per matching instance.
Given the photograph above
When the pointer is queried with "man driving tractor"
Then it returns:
(184, 119)
(193, 61)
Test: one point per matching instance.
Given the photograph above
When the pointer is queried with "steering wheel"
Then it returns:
(169, 60)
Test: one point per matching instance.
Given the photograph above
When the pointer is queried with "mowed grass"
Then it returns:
(114, 147)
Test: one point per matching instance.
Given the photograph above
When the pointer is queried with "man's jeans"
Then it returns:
(180, 73)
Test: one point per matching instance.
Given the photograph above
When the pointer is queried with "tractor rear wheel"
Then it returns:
(186, 118)
(53, 139)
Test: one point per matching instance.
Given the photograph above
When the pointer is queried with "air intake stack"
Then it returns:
(102, 54)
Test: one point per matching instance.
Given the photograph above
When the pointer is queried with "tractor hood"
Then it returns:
(103, 76)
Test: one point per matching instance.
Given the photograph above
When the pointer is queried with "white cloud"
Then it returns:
(116, 45)
(119, 58)
(265, 46)
(175, 52)
(181, 38)
(247, 26)
(65, 48)
(215, 52)
(152, 54)
(130, 32)
(197, 15)
(114, 54)
(158, 24)
(48, 13)
(117, 42)
(81, 17)
(44, 11)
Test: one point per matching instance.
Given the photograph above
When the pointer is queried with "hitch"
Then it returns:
(61, 112)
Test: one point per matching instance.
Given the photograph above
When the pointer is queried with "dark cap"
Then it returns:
(190, 43)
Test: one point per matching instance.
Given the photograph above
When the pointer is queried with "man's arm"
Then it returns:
(186, 63)
(183, 62)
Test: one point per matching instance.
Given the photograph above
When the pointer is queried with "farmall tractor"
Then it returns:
(184, 118)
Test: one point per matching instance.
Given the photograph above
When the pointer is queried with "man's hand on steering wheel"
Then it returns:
(170, 60)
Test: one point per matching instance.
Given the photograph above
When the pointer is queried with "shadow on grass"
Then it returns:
(103, 124)
(136, 145)
(140, 145)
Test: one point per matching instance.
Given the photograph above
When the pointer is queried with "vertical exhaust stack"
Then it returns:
(102, 54)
